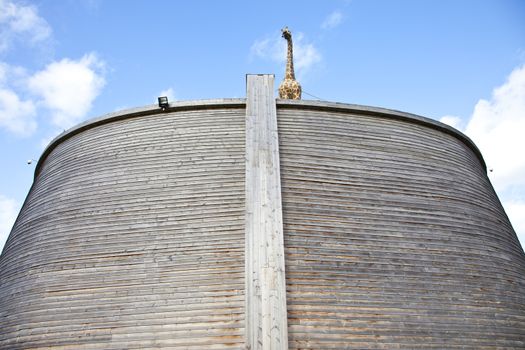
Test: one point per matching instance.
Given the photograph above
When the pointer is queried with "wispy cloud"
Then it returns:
(9, 73)
(4, 68)
(332, 20)
(452, 121)
(496, 126)
(169, 93)
(306, 55)
(16, 115)
(65, 89)
(8, 212)
(21, 22)
(68, 88)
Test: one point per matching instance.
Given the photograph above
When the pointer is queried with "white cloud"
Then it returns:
(46, 140)
(497, 127)
(169, 93)
(68, 88)
(452, 121)
(3, 73)
(272, 49)
(8, 212)
(306, 55)
(333, 20)
(20, 22)
(10, 73)
(16, 115)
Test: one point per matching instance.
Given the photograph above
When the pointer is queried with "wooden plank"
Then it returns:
(266, 317)
(132, 237)
(394, 237)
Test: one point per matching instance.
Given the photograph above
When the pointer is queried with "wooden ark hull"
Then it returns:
(133, 235)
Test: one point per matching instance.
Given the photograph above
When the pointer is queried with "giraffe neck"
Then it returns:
(289, 64)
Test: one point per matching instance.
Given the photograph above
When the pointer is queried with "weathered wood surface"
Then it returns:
(132, 238)
(133, 234)
(394, 237)
(265, 276)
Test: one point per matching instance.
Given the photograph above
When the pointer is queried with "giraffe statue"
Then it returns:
(289, 88)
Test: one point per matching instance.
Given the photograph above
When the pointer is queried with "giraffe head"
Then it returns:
(286, 33)
(289, 88)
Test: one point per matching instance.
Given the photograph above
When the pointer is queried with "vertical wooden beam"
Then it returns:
(266, 316)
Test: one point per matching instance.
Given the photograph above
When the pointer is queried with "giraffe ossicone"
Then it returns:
(290, 88)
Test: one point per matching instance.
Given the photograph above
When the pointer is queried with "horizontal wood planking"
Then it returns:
(132, 237)
(394, 237)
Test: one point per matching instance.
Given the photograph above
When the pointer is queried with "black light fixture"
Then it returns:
(163, 102)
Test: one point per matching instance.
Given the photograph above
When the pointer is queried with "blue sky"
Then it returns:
(462, 62)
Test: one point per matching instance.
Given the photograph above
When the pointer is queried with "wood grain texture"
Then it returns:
(132, 237)
(394, 237)
(133, 234)
(265, 276)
